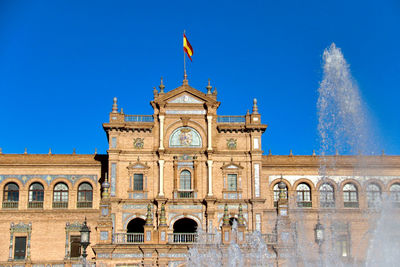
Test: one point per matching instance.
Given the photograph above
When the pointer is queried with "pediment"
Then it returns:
(186, 98)
(231, 166)
(186, 94)
(137, 165)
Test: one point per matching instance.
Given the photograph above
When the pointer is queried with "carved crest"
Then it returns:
(185, 137)
(138, 143)
(231, 143)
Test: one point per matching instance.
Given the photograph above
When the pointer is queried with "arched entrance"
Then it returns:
(185, 231)
(135, 231)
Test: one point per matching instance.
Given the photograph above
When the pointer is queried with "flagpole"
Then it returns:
(184, 60)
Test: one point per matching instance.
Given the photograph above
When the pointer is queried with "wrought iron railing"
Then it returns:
(10, 204)
(139, 118)
(348, 204)
(60, 205)
(327, 204)
(182, 238)
(35, 204)
(304, 204)
(84, 204)
(270, 238)
(128, 238)
(231, 119)
(186, 194)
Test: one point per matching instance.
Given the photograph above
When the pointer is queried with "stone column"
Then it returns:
(209, 163)
(209, 121)
(161, 190)
(161, 131)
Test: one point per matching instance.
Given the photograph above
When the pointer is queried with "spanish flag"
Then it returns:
(187, 47)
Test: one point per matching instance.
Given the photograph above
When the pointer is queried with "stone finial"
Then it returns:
(149, 216)
(185, 80)
(226, 216)
(383, 152)
(269, 152)
(115, 106)
(106, 186)
(291, 153)
(215, 91)
(248, 112)
(255, 107)
(1, 150)
(240, 216)
(122, 111)
(26, 151)
(74, 151)
(49, 151)
(163, 219)
(161, 86)
(209, 87)
(336, 152)
(313, 152)
(95, 150)
(155, 92)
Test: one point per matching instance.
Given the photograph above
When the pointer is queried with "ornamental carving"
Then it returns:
(138, 143)
(185, 137)
(231, 143)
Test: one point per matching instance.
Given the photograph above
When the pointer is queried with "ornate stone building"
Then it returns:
(182, 169)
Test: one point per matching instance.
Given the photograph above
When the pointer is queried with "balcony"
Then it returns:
(84, 204)
(185, 194)
(60, 205)
(304, 204)
(270, 238)
(35, 205)
(231, 119)
(139, 118)
(182, 238)
(10, 204)
(348, 204)
(128, 238)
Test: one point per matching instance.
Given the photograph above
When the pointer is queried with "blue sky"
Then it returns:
(62, 62)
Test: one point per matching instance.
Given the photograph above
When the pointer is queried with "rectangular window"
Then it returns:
(232, 182)
(342, 246)
(20, 248)
(138, 182)
(114, 142)
(75, 249)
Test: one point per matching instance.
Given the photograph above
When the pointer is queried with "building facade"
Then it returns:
(180, 170)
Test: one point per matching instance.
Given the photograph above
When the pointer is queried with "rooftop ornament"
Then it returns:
(209, 87)
(115, 106)
(161, 86)
(255, 107)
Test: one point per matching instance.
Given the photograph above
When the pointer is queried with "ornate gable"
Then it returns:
(186, 99)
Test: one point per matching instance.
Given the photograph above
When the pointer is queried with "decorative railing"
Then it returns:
(182, 238)
(270, 238)
(10, 204)
(304, 204)
(128, 238)
(35, 204)
(60, 205)
(186, 194)
(139, 118)
(327, 204)
(348, 204)
(84, 204)
(231, 119)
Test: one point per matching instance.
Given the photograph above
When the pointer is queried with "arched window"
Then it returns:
(85, 195)
(303, 195)
(395, 194)
(60, 196)
(276, 193)
(350, 196)
(327, 196)
(36, 196)
(185, 181)
(373, 195)
(185, 137)
(11, 196)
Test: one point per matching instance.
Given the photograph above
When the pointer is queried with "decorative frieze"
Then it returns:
(48, 178)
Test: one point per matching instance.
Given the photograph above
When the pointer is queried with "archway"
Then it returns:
(136, 226)
(135, 231)
(185, 231)
(185, 225)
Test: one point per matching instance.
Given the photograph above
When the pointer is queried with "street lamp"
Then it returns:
(319, 233)
(85, 239)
